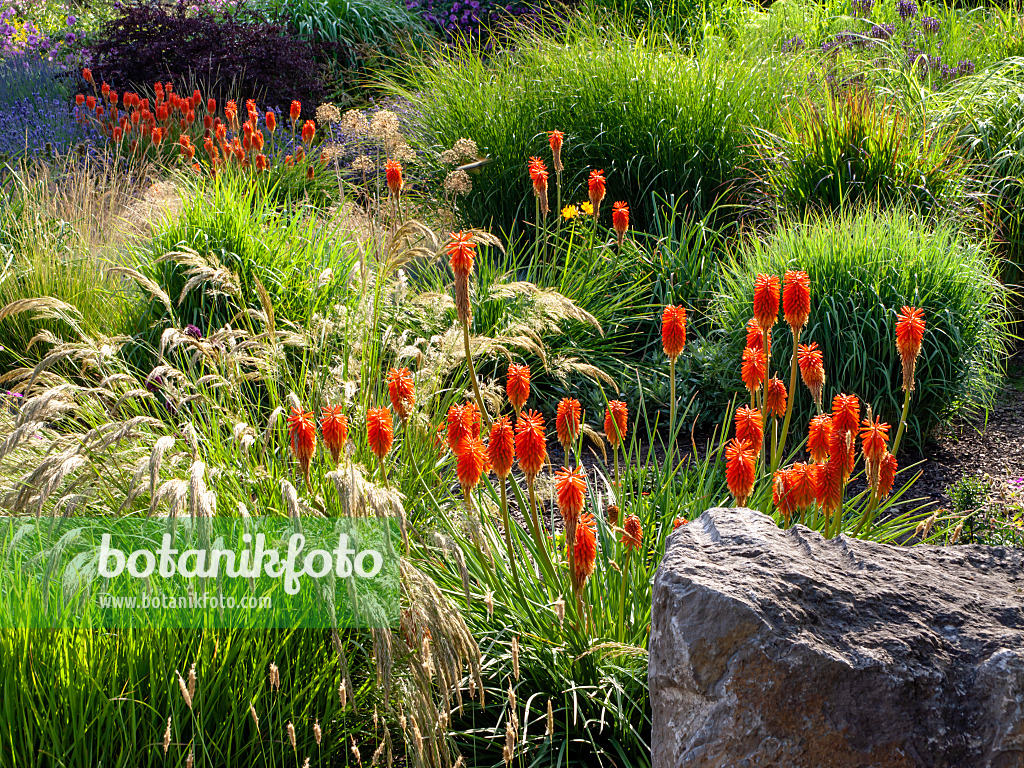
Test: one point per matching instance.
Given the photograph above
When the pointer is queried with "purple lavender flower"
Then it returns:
(72, 21)
(793, 44)
(194, 332)
(930, 25)
(907, 9)
(883, 31)
(863, 7)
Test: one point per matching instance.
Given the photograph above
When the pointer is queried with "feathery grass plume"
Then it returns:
(596, 188)
(518, 385)
(190, 761)
(334, 428)
(620, 221)
(255, 719)
(302, 439)
(401, 391)
(167, 736)
(749, 425)
(183, 687)
(775, 397)
(739, 469)
(819, 437)
(274, 677)
(515, 656)
(318, 734)
(550, 729)
(290, 729)
(812, 370)
(192, 681)
(567, 423)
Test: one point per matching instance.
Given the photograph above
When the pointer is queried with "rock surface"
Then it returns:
(778, 648)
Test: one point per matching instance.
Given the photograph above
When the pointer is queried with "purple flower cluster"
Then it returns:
(468, 19)
(883, 31)
(926, 65)
(863, 7)
(930, 25)
(793, 44)
(907, 9)
(35, 41)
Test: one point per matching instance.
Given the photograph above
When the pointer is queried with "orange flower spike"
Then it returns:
(531, 444)
(632, 534)
(796, 299)
(271, 122)
(571, 491)
(612, 512)
(87, 75)
(596, 186)
(812, 370)
(775, 397)
(518, 385)
(755, 337)
(539, 177)
(874, 436)
(584, 550)
(567, 421)
(393, 174)
(334, 426)
(766, 301)
(616, 421)
(845, 413)
(831, 480)
(555, 139)
(782, 493)
(752, 372)
(819, 437)
(458, 429)
(740, 458)
(673, 331)
(308, 131)
(379, 431)
(501, 448)
(749, 425)
(909, 335)
(401, 391)
(620, 220)
(461, 251)
(802, 487)
(261, 162)
(886, 475)
(295, 111)
(471, 464)
(302, 438)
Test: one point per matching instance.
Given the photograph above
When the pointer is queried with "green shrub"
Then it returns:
(851, 151)
(353, 23)
(863, 269)
(657, 121)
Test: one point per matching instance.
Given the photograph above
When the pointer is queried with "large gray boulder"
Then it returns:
(779, 648)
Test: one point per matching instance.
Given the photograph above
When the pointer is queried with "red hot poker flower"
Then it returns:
(295, 111)
(308, 131)
(874, 436)
(620, 220)
(531, 444)
(819, 437)
(571, 489)
(271, 122)
(616, 418)
(802, 487)
(632, 534)
(755, 337)
(845, 413)
(379, 431)
(401, 391)
(393, 173)
(909, 335)
(471, 464)
(775, 397)
(555, 139)
(740, 457)
(796, 298)
(461, 251)
(584, 550)
(886, 475)
(673, 331)
(518, 385)
(567, 421)
(782, 492)
(766, 301)
(596, 186)
(812, 369)
(753, 370)
(501, 448)
(334, 426)
(749, 425)
(302, 438)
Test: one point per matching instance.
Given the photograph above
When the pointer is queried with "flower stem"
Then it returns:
(777, 458)
(671, 411)
(538, 538)
(903, 422)
(622, 597)
(472, 375)
(508, 533)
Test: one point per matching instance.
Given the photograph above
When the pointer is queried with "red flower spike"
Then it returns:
(775, 397)
(570, 489)
(755, 363)
(596, 187)
(909, 335)
(673, 331)
(531, 444)
(632, 534)
(471, 464)
(616, 422)
(302, 438)
(740, 458)
(334, 427)
(819, 437)
(501, 447)
(584, 550)
(401, 391)
(620, 220)
(812, 369)
(393, 174)
(845, 413)
(379, 431)
(749, 425)
(567, 421)
(766, 301)
(518, 385)
(308, 131)
(886, 475)
(796, 298)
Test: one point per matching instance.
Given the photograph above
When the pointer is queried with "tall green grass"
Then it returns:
(657, 121)
(864, 267)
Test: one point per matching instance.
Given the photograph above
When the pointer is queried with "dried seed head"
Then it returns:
(317, 733)
(355, 752)
(191, 759)
(167, 736)
(192, 681)
(184, 689)
(466, 149)
(510, 742)
(275, 677)
(256, 720)
(956, 532)
(291, 734)
(559, 608)
(551, 719)
(458, 183)
(343, 695)
(489, 604)
(305, 763)
(515, 656)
